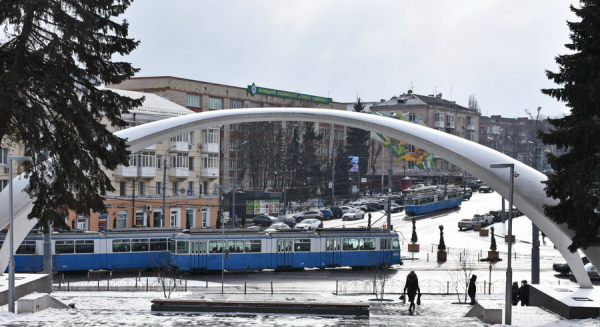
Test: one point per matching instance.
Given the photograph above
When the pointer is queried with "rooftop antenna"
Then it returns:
(411, 86)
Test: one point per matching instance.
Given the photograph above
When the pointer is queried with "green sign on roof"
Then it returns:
(253, 89)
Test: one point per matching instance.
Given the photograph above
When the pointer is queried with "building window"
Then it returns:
(231, 164)
(470, 135)
(158, 188)
(411, 117)
(215, 103)
(411, 165)
(439, 117)
(205, 189)
(175, 219)
(210, 160)
(255, 105)
(4, 156)
(324, 132)
(142, 188)
(189, 216)
(122, 220)
(159, 159)
(449, 120)
(122, 188)
(82, 222)
(232, 145)
(179, 160)
(194, 100)
(3, 184)
(235, 104)
(205, 217)
(410, 148)
(175, 188)
(191, 163)
(232, 127)
(190, 190)
(210, 136)
(181, 138)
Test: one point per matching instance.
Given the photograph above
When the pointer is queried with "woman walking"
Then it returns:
(411, 288)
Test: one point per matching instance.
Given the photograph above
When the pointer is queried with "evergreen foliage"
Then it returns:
(413, 238)
(493, 245)
(357, 142)
(576, 181)
(442, 244)
(54, 55)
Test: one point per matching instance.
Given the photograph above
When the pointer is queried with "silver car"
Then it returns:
(353, 214)
(310, 224)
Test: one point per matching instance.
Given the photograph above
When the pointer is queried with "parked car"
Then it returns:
(362, 207)
(498, 214)
(277, 227)
(311, 214)
(591, 271)
(290, 221)
(466, 223)
(484, 188)
(327, 214)
(310, 224)
(337, 212)
(395, 208)
(467, 193)
(563, 267)
(345, 209)
(263, 220)
(353, 214)
(474, 185)
(374, 206)
(484, 220)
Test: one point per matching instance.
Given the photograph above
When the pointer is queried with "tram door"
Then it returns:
(284, 253)
(198, 255)
(385, 247)
(333, 255)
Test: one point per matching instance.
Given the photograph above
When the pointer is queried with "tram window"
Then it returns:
(158, 244)
(367, 244)
(384, 244)
(183, 247)
(121, 245)
(84, 246)
(64, 247)
(235, 246)
(27, 247)
(330, 245)
(350, 244)
(215, 246)
(395, 245)
(410, 202)
(139, 245)
(252, 245)
(172, 246)
(202, 247)
(302, 245)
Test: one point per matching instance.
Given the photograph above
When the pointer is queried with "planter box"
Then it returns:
(484, 232)
(506, 238)
(413, 248)
(442, 256)
(493, 255)
(476, 227)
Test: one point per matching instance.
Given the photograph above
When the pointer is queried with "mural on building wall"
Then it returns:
(421, 158)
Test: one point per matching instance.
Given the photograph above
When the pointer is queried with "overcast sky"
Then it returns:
(495, 50)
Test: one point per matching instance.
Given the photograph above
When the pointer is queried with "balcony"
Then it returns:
(470, 127)
(438, 124)
(209, 172)
(182, 172)
(180, 146)
(450, 125)
(132, 171)
(209, 147)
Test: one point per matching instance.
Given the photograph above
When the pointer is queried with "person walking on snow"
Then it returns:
(524, 293)
(515, 293)
(472, 289)
(411, 287)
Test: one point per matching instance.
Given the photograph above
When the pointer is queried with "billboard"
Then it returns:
(354, 161)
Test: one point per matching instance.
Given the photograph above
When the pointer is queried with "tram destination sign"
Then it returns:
(253, 89)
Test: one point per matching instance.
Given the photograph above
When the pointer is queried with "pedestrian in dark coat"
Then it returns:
(524, 293)
(411, 287)
(515, 293)
(472, 289)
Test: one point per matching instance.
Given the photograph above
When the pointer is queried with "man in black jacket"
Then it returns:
(472, 289)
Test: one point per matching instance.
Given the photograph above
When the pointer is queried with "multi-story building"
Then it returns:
(202, 96)
(432, 111)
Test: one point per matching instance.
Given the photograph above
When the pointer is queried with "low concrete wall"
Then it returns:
(37, 302)
(487, 315)
(568, 302)
(313, 308)
(26, 285)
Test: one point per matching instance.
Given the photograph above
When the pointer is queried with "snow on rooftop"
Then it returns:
(155, 104)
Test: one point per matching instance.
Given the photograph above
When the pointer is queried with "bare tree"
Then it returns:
(167, 275)
(460, 273)
(376, 148)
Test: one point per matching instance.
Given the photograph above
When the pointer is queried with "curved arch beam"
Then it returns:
(529, 195)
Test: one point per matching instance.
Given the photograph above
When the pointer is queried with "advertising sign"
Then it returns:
(354, 161)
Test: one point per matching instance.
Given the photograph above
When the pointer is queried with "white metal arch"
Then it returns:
(529, 195)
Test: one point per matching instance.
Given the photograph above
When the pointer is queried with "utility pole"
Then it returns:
(164, 193)
(333, 179)
(389, 211)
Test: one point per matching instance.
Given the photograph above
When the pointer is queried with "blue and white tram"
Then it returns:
(202, 250)
(83, 250)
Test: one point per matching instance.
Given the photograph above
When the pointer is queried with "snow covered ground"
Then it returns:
(133, 308)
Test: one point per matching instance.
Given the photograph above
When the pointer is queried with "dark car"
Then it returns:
(467, 193)
(374, 206)
(336, 211)
(563, 268)
(474, 185)
(290, 221)
(498, 214)
(263, 220)
(484, 188)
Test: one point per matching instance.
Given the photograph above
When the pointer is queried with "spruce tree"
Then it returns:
(357, 143)
(493, 245)
(576, 181)
(54, 55)
(413, 237)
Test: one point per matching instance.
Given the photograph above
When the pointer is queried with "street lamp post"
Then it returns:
(535, 231)
(11, 263)
(508, 304)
